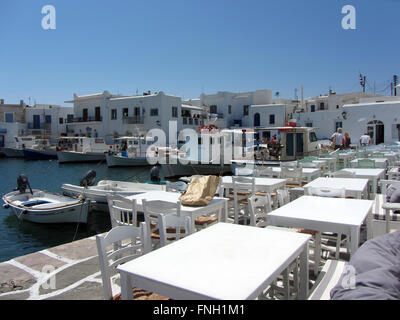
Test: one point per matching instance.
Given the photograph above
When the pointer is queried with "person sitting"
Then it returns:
(365, 140)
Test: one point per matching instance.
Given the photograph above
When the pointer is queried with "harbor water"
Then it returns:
(19, 238)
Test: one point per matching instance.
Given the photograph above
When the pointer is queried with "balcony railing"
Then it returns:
(40, 126)
(192, 121)
(84, 119)
(133, 120)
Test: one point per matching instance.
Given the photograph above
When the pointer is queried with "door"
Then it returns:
(36, 121)
(299, 144)
(376, 130)
(1, 141)
(257, 120)
(97, 114)
(85, 114)
(289, 144)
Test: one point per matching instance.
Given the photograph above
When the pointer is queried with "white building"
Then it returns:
(109, 116)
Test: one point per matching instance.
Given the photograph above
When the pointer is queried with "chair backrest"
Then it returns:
(264, 172)
(294, 174)
(165, 217)
(241, 184)
(259, 207)
(178, 186)
(366, 163)
(283, 197)
(121, 251)
(122, 211)
(385, 185)
(291, 164)
(377, 155)
(244, 172)
(327, 192)
(343, 174)
(307, 164)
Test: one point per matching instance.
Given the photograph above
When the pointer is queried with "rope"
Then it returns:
(81, 198)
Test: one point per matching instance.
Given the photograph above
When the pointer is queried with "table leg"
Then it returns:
(354, 240)
(317, 253)
(303, 291)
(126, 288)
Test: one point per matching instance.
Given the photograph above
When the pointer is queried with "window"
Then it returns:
(174, 112)
(271, 119)
(97, 114)
(213, 109)
(338, 124)
(125, 112)
(85, 114)
(60, 120)
(246, 110)
(153, 112)
(337, 106)
(309, 124)
(229, 109)
(113, 114)
(313, 137)
(9, 117)
(322, 106)
(313, 108)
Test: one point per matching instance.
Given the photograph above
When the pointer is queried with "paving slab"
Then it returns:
(86, 291)
(21, 279)
(76, 250)
(38, 260)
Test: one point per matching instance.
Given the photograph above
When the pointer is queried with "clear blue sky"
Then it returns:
(184, 46)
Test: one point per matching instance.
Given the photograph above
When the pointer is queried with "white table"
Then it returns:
(379, 162)
(357, 188)
(307, 173)
(346, 157)
(224, 261)
(219, 205)
(262, 184)
(372, 175)
(337, 215)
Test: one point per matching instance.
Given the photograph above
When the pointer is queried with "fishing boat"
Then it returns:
(20, 144)
(45, 207)
(41, 150)
(82, 149)
(131, 152)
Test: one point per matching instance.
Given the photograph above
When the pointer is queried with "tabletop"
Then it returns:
(366, 172)
(351, 212)
(358, 185)
(216, 263)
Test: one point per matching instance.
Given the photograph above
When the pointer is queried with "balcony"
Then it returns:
(39, 126)
(133, 120)
(192, 121)
(85, 119)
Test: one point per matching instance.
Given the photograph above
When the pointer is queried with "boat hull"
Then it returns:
(13, 152)
(32, 154)
(72, 211)
(118, 161)
(74, 157)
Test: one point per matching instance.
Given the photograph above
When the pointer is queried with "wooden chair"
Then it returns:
(293, 175)
(243, 189)
(122, 244)
(122, 211)
(259, 207)
(366, 163)
(264, 172)
(164, 222)
(283, 197)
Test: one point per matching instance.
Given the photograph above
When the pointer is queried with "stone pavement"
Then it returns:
(67, 272)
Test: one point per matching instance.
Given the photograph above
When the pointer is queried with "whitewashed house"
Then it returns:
(12, 122)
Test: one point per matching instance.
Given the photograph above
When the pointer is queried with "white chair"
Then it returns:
(164, 222)
(122, 211)
(243, 189)
(259, 207)
(283, 197)
(244, 172)
(121, 251)
(264, 172)
(293, 175)
(178, 186)
(331, 193)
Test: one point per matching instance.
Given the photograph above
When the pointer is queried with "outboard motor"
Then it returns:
(155, 174)
(23, 183)
(88, 179)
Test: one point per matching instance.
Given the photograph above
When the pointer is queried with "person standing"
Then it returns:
(347, 140)
(337, 138)
(365, 140)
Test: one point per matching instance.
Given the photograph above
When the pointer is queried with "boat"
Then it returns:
(45, 207)
(41, 150)
(21, 142)
(82, 149)
(131, 152)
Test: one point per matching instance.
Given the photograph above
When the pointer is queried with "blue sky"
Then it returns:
(183, 47)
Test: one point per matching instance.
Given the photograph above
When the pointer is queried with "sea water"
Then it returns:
(19, 238)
